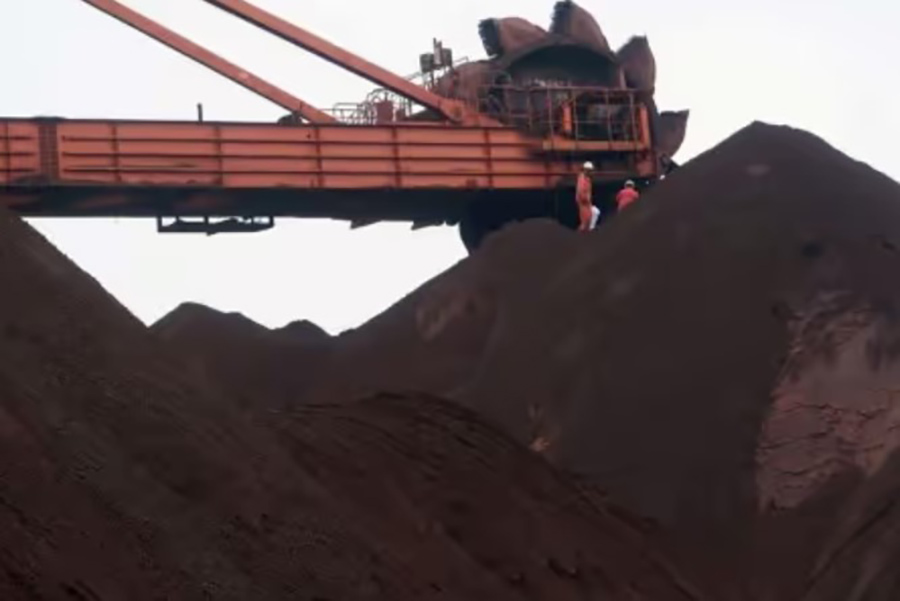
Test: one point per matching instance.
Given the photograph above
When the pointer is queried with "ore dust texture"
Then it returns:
(700, 400)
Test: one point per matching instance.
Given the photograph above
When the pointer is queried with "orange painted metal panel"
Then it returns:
(334, 157)
(19, 151)
(338, 157)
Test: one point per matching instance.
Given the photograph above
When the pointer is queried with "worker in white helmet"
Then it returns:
(626, 195)
(584, 198)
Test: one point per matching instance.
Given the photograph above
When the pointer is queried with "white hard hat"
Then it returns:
(589, 166)
(629, 184)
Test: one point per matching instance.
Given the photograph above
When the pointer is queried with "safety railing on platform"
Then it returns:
(543, 109)
(383, 106)
(573, 112)
(380, 107)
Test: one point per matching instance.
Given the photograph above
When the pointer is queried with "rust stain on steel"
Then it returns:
(211, 60)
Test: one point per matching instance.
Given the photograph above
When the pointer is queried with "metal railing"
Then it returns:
(384, 106)
(544, 109)
(574, 112)
(380, 107)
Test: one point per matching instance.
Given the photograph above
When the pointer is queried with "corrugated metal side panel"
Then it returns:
(305, 157)
(20, 151)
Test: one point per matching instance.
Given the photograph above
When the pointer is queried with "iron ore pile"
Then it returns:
(711, 379)
(696, 401)
(700, 400)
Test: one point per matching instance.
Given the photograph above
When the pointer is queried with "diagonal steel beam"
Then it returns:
(211, 60)
(451, 109)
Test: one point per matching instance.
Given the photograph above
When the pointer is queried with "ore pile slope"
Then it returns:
(723, 351)
(258, 366)
(124, 479)
(121, 478)
(682, 319)
(435, 337)
(480, 516)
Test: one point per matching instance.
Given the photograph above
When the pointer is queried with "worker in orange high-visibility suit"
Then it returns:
(587, 212)
(626, 195)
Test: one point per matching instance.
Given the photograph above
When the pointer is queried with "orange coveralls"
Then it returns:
(583, 197)
(625, 197)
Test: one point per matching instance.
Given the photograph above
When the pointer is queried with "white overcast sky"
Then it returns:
(823, 65)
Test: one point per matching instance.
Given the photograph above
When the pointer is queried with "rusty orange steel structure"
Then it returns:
(364, 167)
